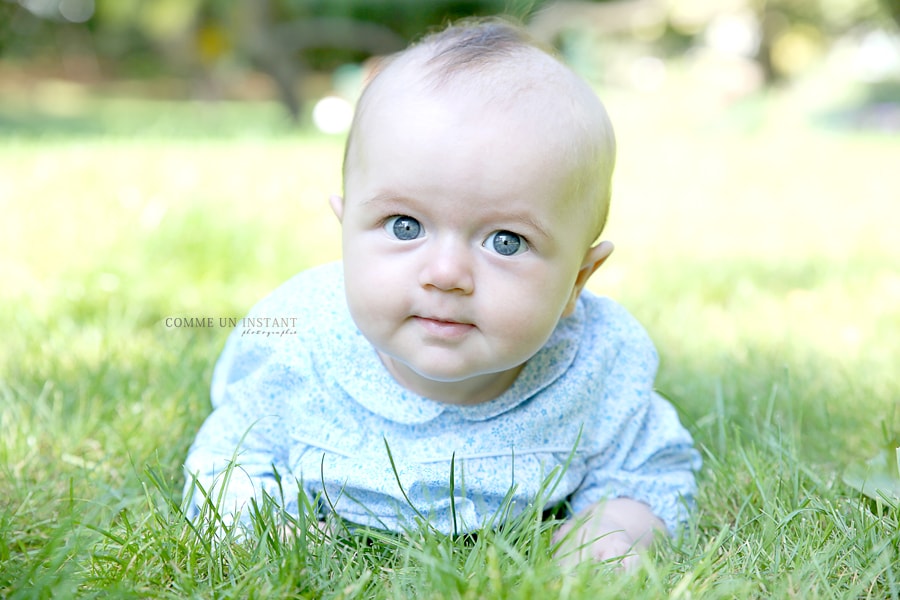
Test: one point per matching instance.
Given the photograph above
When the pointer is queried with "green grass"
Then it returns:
(763, 259)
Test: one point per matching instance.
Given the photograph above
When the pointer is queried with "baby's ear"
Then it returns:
(593, 258)
(337, 206)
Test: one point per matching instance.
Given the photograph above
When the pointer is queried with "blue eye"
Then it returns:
(507, 243)
(403, 227)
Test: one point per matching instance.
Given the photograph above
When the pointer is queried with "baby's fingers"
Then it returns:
(615, 549)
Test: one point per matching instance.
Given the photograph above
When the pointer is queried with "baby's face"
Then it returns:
(462, 247)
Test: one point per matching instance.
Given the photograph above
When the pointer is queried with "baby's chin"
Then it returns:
(453, 386)
(444, 373)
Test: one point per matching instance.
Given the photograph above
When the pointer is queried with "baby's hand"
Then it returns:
(614, 531)
(287, 532)
(591, 540)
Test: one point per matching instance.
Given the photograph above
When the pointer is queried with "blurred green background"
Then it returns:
(54, 54)
(173, 158)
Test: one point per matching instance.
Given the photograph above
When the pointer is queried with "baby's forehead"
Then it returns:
(517, 77)
(524, 87)
(526, 90)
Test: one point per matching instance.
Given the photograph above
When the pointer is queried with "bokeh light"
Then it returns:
(333, 115)
(73, 11)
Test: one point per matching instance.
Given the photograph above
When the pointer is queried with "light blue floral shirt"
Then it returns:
(299, 391)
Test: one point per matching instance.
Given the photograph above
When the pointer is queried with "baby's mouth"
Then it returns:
(444, 328)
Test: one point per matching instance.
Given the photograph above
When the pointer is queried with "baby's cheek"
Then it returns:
(527, 329)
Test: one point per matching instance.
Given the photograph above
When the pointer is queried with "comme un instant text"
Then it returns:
(244, 322)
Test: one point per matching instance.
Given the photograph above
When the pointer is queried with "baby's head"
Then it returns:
(493, 65)
(476, 179)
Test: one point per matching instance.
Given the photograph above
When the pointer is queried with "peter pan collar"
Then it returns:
(354, 364)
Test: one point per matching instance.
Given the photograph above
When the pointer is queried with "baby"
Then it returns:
(456, 334)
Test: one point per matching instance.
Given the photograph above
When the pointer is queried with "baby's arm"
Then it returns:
(232, 461)
(615, 530)
(240, 452)
(625, 500)
(639, 459)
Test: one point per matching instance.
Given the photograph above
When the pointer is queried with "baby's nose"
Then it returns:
(448, 267)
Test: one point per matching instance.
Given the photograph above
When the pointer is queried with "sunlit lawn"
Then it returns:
(761, 254)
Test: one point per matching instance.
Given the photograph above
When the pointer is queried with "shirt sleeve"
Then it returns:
(242, 449)
(649, 456)
(657, 470)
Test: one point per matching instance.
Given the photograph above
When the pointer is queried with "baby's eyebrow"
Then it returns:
(387, 198)
(529, 223)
